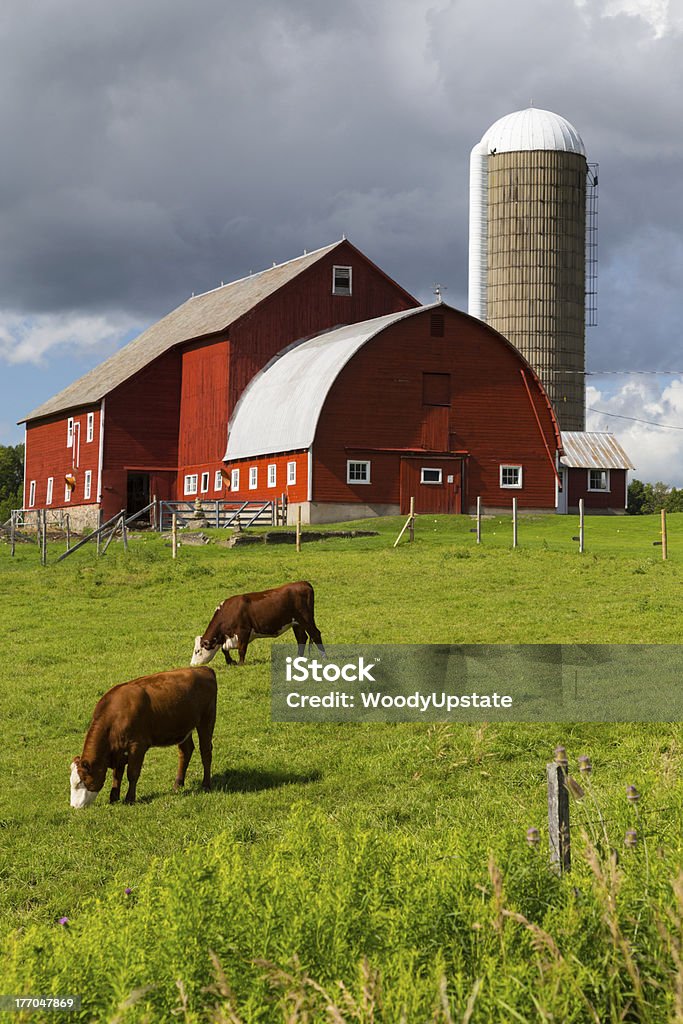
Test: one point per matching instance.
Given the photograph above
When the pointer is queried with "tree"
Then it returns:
(645, 499)
(11, 479)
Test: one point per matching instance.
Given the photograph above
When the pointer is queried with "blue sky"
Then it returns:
(150, 151)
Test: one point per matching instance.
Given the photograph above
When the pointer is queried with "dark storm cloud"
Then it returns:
(156, 149)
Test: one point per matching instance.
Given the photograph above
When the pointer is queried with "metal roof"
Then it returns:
(279, 410)
(200, 315)
(533, 129)
(584, 450)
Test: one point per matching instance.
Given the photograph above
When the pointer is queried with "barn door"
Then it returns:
(435, 483)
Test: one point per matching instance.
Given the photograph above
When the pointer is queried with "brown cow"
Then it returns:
(240, 619)
(153, 711)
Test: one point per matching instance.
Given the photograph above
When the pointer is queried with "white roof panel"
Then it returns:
(280, 408)
(533, 129)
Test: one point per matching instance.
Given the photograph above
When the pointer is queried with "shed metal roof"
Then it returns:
(584, 450)
(279, 410)
(200, 315)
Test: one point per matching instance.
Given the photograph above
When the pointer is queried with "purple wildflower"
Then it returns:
(64, 921)
(128, 891)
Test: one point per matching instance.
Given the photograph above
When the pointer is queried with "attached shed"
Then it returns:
(427, 403)
(594, 467)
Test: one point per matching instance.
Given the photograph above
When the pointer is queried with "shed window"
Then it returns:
(436, 389)
(87, 484)
(511, 476)
(90, 427)
(191, 483)
(50, 486)
(253, 478)
(291, 472)
(357, 472)
(32, 494)
(430, 476)
(272, 474)
(218, 481)
(598, 479)
(235, 480)
(205, 483)
(341, 280)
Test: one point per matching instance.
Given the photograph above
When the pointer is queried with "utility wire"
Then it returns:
(634, 419)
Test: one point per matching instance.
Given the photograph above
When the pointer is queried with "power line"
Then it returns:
(634, 419)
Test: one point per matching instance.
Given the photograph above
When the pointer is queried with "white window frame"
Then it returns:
(511, 487)
(431, 469)
(272, 474)
(90, 428)
(291, 473)
(87, 485)
(204, 486)
(67, 492)
(253, 478)
(357, 462)
(234, 480)
(50, 490)
(599, 490)
(70, 432)
(32, 494)
(190, 483)
(218, 481)
(342, 291)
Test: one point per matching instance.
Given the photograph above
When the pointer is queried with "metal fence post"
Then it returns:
(558, 812)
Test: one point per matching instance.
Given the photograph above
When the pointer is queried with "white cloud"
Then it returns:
(663, 16)
(654, 447)
(30, 339)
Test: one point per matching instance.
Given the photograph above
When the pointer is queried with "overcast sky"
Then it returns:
(155, 149)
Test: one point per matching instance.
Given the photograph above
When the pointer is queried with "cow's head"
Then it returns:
(202, 654)
(83, 791)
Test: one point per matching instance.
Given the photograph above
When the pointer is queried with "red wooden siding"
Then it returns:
(203, 403)
(615, 498)
(48, 456)
(141, 420)
(295, 492)
(377, 403)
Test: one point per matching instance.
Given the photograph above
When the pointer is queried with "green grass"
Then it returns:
(324, 845)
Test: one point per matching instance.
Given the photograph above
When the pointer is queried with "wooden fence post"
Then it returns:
(411, 528)
(478, 520)
(514, 522)
(43, 535)
(68, 532)
(298, 527)
(664, 538)
(174, 535)
(99, 535)
(12, 533)
(124, 531)
(558, 812)
(581, 526)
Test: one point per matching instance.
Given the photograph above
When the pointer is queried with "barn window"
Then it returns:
(32, 494)
(430, 476)
(253, 478)
(70, 432)
(511, 476)
(436, 389)
(50, 485)
(87, 484)
(235, 480)
(191, 483)
(218, 481)
(598, 479)
(357, 472)
(205, 483)
(291, 472)
(272, 474)
(437, 323)
(67, 492)
(90, 428)
(341, 280)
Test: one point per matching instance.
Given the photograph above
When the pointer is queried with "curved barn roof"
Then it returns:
(532, 129)
(279, 410)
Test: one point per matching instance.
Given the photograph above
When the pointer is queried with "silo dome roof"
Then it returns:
(532, 129)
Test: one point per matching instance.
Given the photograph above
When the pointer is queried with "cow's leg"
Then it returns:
(136, 755)
(228, 659)
(316, 638)
(205, 734)
(119, 767)
(301, 637)
(184, 754)
(242, 644)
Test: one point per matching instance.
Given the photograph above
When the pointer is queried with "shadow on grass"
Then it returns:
(252, 780)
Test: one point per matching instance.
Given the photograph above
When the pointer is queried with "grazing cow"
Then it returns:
(243, 618)
(153, 711)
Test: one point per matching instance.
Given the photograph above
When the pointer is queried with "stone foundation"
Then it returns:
(81, 517)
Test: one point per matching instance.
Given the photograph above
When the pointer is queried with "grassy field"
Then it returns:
(375, 872)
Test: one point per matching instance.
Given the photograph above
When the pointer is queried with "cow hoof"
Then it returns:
(177, 786)
(114, 796)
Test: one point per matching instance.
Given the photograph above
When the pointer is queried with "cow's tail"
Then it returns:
(311, 628)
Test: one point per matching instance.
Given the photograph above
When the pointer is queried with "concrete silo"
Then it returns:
(527, 271)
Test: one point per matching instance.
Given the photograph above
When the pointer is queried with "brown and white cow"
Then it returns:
(244, 617)
(154, 711)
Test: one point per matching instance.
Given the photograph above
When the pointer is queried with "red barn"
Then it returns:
(427, 403)
(152, 419)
